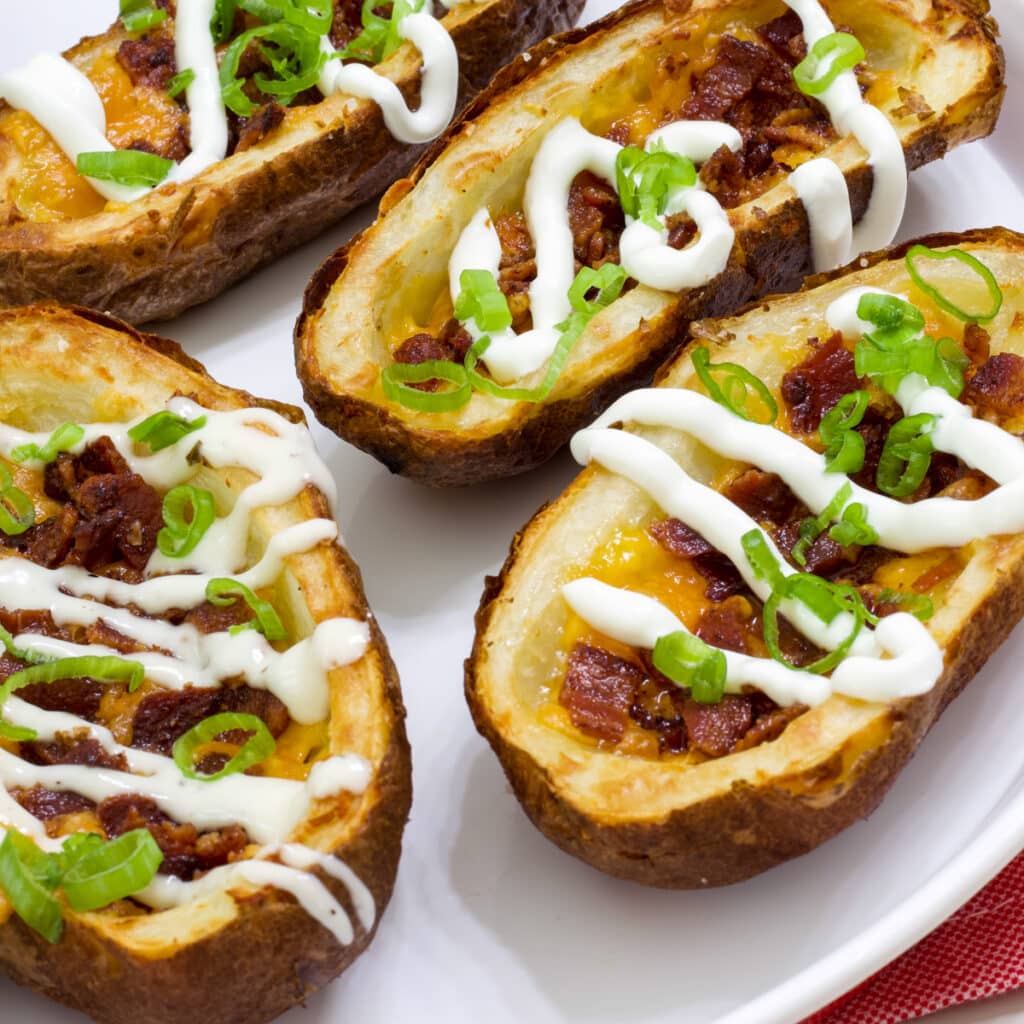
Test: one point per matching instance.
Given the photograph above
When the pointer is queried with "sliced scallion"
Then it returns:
(827, 59)
(396, 378)
(31, 897)
(258, 747)
(65, 437)
(17, 513)
(141, 15)
(481, 299)
(646, 181)
(180, 82)
(125, 167)
(224, 592)
(163, 429)
(180, 535)
(113, 871)
(689, 662)
(922, 252)
(735, 390)
(906, 455)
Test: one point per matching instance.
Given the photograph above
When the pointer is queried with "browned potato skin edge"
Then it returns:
(236, 975)
(775, 257)
(150, 273)
(749, 829)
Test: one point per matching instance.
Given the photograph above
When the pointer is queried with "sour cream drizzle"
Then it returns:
(66, 104)
(281, 457)
(569, 149)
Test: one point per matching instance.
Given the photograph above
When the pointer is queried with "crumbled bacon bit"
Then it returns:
(997, 389)
(596, 220)
(80, 749)
(149, 61)
(976, 343)
(676, 537)
(716, 729)
(598, 691)
(47, 804)
(769, 727)
(253, 130)
(730, 625)
(815, 385)
(763, 496)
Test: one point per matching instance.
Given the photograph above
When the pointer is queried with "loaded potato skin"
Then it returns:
(674, 816)
(240, 951)
(642, 66)
(288, 174)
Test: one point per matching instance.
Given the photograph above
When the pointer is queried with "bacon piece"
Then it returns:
(346, 24)
(786, 36)
(263, 704)
(79, 697)
(48, 543)
(214, 618)
(596, 220)
(997, 389)
(121, 516)
(166, 715)
(769, 727)
(813, 387)
(253, 130)
(763, 496)
(186, 852)
(72, 749)
(598, 691)
(150, 60)
(729, 625)
(657, 706)
(824, 557)
(420, 348)
(976, 343)
(46, 804)
(716, 729)
(722, 576)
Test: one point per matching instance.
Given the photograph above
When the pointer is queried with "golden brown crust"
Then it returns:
(759, 809)
(186, 244)
(772, 253)
(247, 960)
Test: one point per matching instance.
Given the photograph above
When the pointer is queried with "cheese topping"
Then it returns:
(569, 149)
(282, 461)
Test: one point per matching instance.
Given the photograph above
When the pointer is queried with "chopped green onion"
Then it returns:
(906, 456)
(379, 37)
(311, 15)
(761, 559)
(257, 748)
(222, 24)
(689, 662)
(77, 846)
(125, 167)
(919, 605)
(828, 58)
(17, 513)
(141, 15)
(180, 82)
(812, 527)
(395, 380)
(608, 281)
(919, 252)
(65, 437)
(846, 597)
(296, 61)
(854, 527)
(896, 320)
(180, 536)
(112, 872)
(941, 363)
(28, 893)
(223, 592)
(109, 669)
(844, 447)
(734, 392)
(163, 429)
(646, 181)
(481, 299)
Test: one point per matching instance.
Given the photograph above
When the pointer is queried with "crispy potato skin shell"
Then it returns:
(747, 829)
(272, 955)
(186, 247)
(772, 254)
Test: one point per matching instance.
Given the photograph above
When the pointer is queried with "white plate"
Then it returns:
(489, 920)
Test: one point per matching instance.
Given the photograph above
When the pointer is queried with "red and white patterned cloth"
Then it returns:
(978, 952)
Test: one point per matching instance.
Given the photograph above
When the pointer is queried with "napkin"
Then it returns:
(978, 952)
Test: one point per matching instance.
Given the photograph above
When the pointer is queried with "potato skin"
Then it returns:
(746, 829)
(188, 243)
(272, 955)
(772, 254)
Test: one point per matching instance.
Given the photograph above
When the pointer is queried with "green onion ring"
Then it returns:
(125, 167)
(919, 605)
(163, 429)
(223, 592)
(257, 748)
(32, 899)
(738, 377)
(17, 512)
(112, 872)
(845, 51)
(179, 537)
(691, 663)
(995, 292)
(65, 437)
(395, 379)
(481, 299)
(906, 455)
